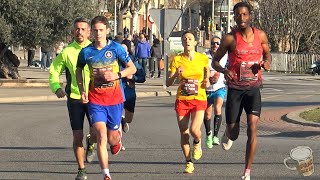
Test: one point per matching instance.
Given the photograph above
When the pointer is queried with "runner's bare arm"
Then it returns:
(79, 79)
(206, 81)
(267, 58)
(129, 71)
(173, 76)
(226, 44)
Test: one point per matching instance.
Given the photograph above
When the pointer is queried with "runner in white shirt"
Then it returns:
(215, 95)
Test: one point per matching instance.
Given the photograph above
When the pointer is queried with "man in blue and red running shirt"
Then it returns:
(248, 51)
(105, 98)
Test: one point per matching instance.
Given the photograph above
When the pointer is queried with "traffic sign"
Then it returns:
(165, 20)
(150, 19)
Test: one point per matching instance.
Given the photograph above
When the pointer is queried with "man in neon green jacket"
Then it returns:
(67, 61)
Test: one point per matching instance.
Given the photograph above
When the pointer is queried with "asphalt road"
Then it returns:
(36, 144)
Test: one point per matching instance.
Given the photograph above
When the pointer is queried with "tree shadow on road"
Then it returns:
(287, 104)
(296, 134)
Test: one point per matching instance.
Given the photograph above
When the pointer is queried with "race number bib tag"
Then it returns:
(249, 71)
(98, 77)
(189, 87)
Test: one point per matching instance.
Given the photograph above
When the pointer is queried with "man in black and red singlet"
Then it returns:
(248, 51)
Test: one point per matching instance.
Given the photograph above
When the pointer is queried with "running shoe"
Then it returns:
(209, 141)
(226, 142)
(90, 154)
(106, 177)
(245, 177)
(81, 174)
(197, 151)
(216, 140)
(125, 126)
(189, 168)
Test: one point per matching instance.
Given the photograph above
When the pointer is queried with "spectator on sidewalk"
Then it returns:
(143, 51)
(156, 55)
(31, 53)
(127, 41)
(46, 58)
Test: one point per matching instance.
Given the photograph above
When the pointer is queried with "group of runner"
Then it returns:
(94, 88)
(245, 50)
(100, 85)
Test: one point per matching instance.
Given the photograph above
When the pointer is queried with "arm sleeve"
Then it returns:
(56, 68)
(81, 59)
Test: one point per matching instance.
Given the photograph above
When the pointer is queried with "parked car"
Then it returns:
(315, 68)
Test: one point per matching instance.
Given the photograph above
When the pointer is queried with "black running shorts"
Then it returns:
(237, 100)
(77, 110)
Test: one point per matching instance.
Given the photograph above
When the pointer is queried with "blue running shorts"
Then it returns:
(212, 95)
(111, 115)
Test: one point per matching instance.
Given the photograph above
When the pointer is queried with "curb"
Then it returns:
(49, 98)
(293, 117)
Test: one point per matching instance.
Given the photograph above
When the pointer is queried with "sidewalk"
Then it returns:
(34, 86)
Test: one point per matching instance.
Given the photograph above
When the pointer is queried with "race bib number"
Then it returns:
(189, 87)
(98, 77)
(249, 71)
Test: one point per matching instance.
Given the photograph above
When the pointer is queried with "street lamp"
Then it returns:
(115, 18)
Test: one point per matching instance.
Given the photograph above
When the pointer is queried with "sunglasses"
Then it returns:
(215, 43)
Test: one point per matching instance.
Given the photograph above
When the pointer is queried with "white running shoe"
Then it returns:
(226, 142)
(245, 177)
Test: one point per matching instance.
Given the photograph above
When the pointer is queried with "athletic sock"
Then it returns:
(106, 172)
(207, 123)
(217, 124)
(189, 161)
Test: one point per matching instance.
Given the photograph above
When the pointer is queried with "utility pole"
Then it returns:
(212, 17)
(229, 17)
(115, 18)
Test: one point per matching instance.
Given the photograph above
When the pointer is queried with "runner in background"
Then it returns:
(67, 61)
(215, 96)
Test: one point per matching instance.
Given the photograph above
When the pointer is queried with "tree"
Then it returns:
(43, 22)
(136, 5)
(5, 33)
(291, 25)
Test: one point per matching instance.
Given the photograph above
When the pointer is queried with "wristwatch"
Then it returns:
(119, 75)
(223, 70)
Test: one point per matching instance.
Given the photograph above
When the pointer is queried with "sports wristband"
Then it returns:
(119, 75)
